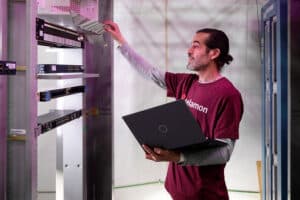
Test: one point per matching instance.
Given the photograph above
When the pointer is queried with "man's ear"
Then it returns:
(214, 53)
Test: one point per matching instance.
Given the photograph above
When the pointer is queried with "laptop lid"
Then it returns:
(168, 126)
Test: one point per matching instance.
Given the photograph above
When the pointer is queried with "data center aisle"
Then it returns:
(157, 192)
(152, 192)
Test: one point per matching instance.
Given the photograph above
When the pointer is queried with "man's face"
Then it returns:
(198, 53)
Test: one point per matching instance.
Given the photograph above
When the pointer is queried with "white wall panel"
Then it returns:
(132, 93)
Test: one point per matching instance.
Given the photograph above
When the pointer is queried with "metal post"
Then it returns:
(98, 136)
(3, 100)
(22, 155)
(294, 76)
(31, 102)
(282, 102)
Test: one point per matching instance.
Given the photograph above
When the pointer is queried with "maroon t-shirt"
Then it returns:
(218, 109)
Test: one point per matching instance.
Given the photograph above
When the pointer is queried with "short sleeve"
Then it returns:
(178, 83)
(171, 80)
(229, 116)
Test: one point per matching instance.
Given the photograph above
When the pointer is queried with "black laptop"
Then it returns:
(168, 126)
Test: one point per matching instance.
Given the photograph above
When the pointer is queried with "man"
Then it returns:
(197, 174)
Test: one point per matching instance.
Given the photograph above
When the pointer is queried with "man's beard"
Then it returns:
(197, 68)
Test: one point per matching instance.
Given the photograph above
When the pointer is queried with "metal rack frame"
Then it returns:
(22, 110)
(3, 101)
(275, 99)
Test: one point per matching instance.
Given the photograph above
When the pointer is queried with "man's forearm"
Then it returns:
(212, 156)
(142, 66)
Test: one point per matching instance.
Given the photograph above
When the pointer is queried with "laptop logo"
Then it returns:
(162, 128)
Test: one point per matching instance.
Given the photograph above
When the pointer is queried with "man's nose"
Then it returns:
(189, 51)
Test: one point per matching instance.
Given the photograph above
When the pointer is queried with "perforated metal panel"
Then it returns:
(275, 100)
(87, 8)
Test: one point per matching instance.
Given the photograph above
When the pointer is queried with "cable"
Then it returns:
(166, 36)
(259, 31)
(247, 30)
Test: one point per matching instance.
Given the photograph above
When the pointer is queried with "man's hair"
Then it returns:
(218, 40)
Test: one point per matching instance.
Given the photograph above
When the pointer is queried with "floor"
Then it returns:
(157, 192)
(152, 192)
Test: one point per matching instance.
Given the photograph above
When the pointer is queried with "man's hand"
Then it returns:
(158, 154)
(114, 30)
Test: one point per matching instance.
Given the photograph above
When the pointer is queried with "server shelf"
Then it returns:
(7, 68)
(52, 94)
(57, 118)
(53, 35)
(66, 76)
(55, 68)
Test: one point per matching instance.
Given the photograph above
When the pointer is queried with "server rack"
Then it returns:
(275, 135)
(67, 141)
(280, 65)
(21, 179)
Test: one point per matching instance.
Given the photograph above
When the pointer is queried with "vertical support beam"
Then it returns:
(267, 13)
(98, 135)
(3, 100)
(294, 43)
(22, 48)
(282, 103)
(263, 139)
(31, 102)
(279, 187)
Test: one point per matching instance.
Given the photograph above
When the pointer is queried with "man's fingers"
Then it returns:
(114, 31)
(108, 28)
(158, 150)
(148, 149)
(109, 25)
(109, 22)
(150, 154)
(158, 154)
(151, 157)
